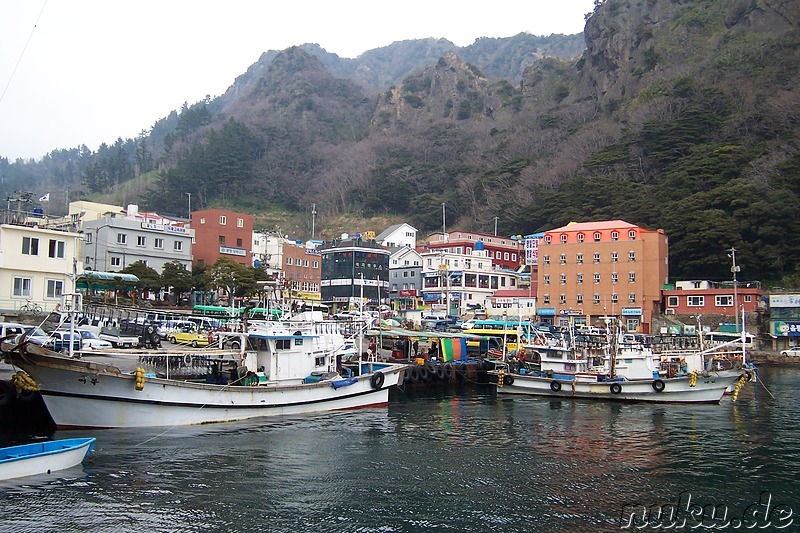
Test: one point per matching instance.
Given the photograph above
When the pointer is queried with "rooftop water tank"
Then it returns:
(479, 246)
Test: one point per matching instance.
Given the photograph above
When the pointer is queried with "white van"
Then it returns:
(11, 328)
(205, 323)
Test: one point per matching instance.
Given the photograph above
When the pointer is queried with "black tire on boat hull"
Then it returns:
(440, 372)
(555, 386)
(376, 381)
(413, 374)
(424, 374)
(508, 380)
(658, 385)
(615, 388)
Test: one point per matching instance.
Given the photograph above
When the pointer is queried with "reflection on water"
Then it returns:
(457, 460)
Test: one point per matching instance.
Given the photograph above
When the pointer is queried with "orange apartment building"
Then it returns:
(222, 233)
(591, 270)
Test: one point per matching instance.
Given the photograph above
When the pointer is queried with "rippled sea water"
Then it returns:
(457, 459)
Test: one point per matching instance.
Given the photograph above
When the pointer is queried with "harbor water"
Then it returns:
(453, 459)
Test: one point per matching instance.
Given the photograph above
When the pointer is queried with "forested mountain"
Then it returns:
(678, 114)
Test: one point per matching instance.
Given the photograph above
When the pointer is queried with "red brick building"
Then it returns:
(706, 297)
(222, 233)
(503, 251)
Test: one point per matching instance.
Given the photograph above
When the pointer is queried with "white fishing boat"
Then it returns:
(288, 367)
(43, 457)
(625, 371)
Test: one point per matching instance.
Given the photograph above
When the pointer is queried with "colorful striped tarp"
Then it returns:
(454, 349)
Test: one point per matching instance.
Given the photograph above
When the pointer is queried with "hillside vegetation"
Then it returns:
(680, 115)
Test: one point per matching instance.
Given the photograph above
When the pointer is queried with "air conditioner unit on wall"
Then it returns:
(669, 311)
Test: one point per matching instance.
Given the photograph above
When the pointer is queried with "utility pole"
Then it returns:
(190, 206)
(444, 224)
(734, 269)
(313, 219)
(495, 225)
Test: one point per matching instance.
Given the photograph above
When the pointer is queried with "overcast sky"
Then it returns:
(78, 72)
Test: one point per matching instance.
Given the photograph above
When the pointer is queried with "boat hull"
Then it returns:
(81, 394)
(706, 389)
(43, 457)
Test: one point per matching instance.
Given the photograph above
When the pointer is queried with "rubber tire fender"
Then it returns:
(555, 386)
(508, 380)
(615, 388)
(377, 379)
(440, 372)
(658, 385)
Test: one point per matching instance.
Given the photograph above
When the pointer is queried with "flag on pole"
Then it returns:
(45, 198)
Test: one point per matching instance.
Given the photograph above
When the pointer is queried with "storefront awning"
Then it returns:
(105, 280)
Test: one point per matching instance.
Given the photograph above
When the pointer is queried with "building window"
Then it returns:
(223, 220)
(597, 277)
(88, 238)
(55, 288)
(122, 238)
(563, 299)
(614, 257)
(580, 279)
(497, 255)
(158, 243)
(672, 301)
(289, 261)
(579, 259)
(30, 246)
(547, 298)
(316, 264)
(723, 300)
(563, 279)
(221, 240)
(696, 301)
(546, 260)
(239, 243)
(116, 262)
(748, 298)
(506, 256)
(631, 297)
(513, 257)
(546, 279)
(614, 277)
(596, 236)
(239, 222)
(203, 220)
(178, 246)
(615, 298)
(547, 239)
(22, 287)
(631, 277)
(614, 235)
(141, 240)
(563, 237)
(580, 237)
(579, 299)
(631, 256)
(632, 235)
(597, 257)
(596, 298)
(563, 259)
(56, 249)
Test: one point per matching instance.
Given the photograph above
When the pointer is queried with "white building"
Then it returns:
(398, 236)
(455, 282)
(36, 265)
(405, 278)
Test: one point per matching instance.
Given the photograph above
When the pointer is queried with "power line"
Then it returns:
(23, 52)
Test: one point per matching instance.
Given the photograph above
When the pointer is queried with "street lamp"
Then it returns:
(734, 270)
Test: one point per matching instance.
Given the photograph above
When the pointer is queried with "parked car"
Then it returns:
(59, 341)
(36, 335)
(792, 352)
(92, 341)
(189, 336)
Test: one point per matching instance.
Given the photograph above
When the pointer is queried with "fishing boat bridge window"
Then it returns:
(298, 341)
(319, 360)
(283, 344)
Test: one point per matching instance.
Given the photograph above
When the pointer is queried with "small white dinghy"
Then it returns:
(43, 457)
